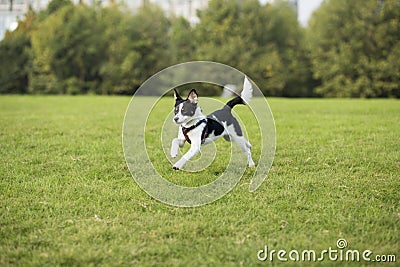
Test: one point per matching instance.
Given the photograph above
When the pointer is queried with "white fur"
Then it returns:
(177, 143)
(195, 138)
(247, 92)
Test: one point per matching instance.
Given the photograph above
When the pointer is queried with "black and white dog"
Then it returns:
(198, 129)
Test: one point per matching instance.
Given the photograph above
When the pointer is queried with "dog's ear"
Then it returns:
(177, 97)
(193, 97)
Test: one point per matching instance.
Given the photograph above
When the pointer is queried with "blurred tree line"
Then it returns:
(349, 49)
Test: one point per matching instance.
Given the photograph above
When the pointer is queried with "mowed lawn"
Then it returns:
(67, 197)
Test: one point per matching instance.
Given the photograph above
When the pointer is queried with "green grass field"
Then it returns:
(67, 197)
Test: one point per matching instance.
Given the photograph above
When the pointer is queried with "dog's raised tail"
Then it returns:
(245, 95)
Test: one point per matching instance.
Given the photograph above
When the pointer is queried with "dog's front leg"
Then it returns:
(193, 151)
(177, 143)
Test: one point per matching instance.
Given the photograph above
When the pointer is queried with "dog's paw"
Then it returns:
(174, 155)
(175, 168)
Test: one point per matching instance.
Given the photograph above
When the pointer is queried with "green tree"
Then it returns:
(15, 50)
(263, 41)
(182, 45)
(15, 57)
(151, 42)
(137, 47)
(289, 37)
(355, 47)
(68, 51)
(54, 6)
(117, 68)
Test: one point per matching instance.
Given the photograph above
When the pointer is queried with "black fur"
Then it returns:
(237, 100)
(224, 115)
(214, 127)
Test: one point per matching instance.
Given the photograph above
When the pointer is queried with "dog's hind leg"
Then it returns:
(245, 146)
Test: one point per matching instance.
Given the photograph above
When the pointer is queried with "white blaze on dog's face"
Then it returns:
(185, 110)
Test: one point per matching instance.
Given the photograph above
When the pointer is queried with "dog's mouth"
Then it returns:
(176, 121)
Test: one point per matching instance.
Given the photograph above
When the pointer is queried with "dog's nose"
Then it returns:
(176, 119)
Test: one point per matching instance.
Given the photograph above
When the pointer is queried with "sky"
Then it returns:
(305, 9)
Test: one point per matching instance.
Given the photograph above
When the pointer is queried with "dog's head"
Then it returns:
(185, 110)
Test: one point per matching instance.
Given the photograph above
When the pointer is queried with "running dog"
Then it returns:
(198, 129)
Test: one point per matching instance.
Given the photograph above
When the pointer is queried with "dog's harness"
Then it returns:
(203, 134)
